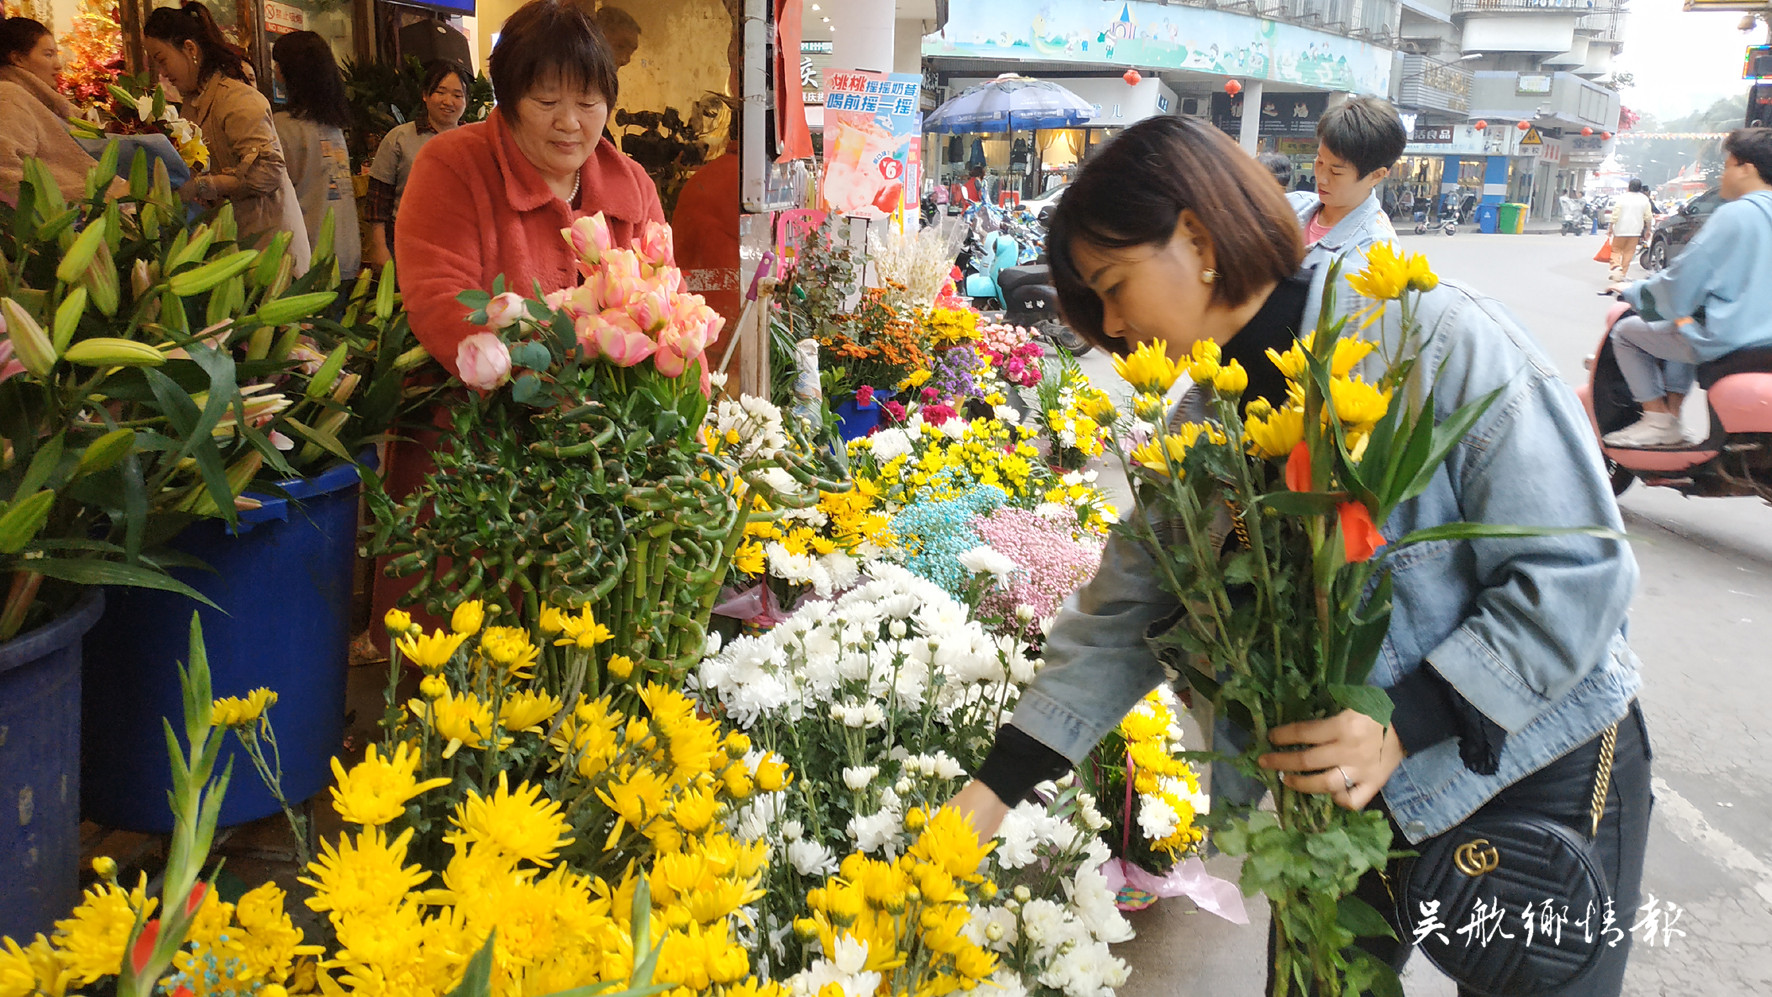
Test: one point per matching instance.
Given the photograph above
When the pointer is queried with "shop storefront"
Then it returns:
(1288, 124)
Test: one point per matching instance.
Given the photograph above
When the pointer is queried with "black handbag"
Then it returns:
(1514, 903)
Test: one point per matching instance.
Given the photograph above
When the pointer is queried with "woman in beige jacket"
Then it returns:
(33, 116)
(246, 158)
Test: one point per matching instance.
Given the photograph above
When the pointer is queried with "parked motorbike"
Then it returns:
(1031, 300)
(1735, 457)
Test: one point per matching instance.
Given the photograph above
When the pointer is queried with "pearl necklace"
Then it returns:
(577, 180)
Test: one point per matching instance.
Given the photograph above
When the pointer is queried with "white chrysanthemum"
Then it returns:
(888, 444)
(858, 777)
(873, 832)
(1095, 907)
(1156, 818)
(810, 858)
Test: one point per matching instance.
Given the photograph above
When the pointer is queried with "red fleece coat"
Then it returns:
(475, 208)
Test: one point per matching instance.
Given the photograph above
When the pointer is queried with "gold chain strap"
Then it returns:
(1608, 741)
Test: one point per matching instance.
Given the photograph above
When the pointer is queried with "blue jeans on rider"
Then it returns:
(1655, 358)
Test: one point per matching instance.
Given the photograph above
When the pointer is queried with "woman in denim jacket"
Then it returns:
(1505, 658)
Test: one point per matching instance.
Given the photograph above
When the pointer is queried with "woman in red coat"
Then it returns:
(491, 198)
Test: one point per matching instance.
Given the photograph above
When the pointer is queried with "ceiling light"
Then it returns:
(815, 6)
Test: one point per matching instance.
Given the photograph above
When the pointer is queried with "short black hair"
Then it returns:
(1133, 193)
(310, 74)
(1280, 166)
(1752, 145)
(1365, 131)
(18, 36)
(548, 39)
(1636, 185)
(438, 70)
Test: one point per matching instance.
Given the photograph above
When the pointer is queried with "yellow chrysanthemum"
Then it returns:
(527, 710)
(232, 711)
(1386, 275)
(1290, 363)
(749, 559)
(620, 667)
(398, 621)
(92, 939)
(1357, 403)
(582, 630)
(1096, 404)
(510, 649)
(1231, 379)
(28, 970)
(430, 651)
(1274, 434)
(1148, 369)
(463, 719)
(468, 618)
(362, 878)
(1171, 449)
(376, 789)
(553, 619)
(949, 842)
(518, 824)
(1349, 351)
(1421, 276)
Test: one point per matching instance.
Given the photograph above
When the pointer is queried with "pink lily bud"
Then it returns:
(504, 310)
(484, 361)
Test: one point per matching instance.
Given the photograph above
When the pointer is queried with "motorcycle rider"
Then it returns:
(1712, 299)
(1358, 140)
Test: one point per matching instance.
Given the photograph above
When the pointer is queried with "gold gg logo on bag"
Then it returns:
(1476, 858)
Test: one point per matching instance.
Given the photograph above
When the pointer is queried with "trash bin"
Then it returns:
(1512, 220)
(283, 582)
(1486, 214)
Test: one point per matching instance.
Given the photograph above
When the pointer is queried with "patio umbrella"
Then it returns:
(1010, 103)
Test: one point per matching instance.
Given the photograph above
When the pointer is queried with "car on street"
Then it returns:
(1041, 207)
(1672, 234)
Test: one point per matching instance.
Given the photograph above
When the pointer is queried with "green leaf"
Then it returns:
(43, 465)
(1494, 531)
(321, 438)
(1302, 503)
(87, 572)
(476, 980)
(23, 519)
(527, 390)
(531, 356)
(1366, 637)
(1362, 918)
(1367, 699)
(1447, 435)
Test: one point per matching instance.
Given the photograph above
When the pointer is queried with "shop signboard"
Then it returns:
(815, 61)
(1153, 36)
(1533, 84)
(873, 141)
(1463, 140)
(1431, 135)
(284, 18)
(1281, 113)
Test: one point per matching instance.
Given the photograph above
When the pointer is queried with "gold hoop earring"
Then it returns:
(1209, 276)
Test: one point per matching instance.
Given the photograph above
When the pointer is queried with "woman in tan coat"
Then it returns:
(33, 116)
(246, 159)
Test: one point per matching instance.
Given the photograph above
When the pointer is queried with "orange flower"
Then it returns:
(1360, 539)
(1298, 468)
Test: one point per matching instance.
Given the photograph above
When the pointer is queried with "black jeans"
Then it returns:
(1561, 791)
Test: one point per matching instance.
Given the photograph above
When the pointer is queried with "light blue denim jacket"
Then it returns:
(1721, 272)
(1529, 631)
(1350, 237)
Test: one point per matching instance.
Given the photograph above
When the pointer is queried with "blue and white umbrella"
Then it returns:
(1010, 103)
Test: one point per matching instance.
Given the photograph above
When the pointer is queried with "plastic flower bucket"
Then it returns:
(40, 771)
(283, 582)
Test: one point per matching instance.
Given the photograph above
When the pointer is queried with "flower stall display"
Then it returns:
(133, 110)
(581, 470)
(880, 701)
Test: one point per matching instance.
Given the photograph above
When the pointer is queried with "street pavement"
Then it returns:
(1702, 625)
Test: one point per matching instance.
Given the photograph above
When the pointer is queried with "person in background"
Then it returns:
(247, 167)
(1279, 166)
(1357, 141)
(972, 191)
(497, 193)
(311, 127)
(34, 117)
(1505, 659)
(620, 31)
(1712, 299)
(1632, 216)
(445, 89)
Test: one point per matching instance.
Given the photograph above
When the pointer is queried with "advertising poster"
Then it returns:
(872, 142)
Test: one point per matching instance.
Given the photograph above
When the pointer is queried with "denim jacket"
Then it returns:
(1529, 631)
(1362, 227)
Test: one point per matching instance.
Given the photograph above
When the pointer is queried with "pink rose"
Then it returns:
(589, 237)
(652, 309)
(620, 341)
(655, 245)
(504, 310)
(670, 363)
(484, 361)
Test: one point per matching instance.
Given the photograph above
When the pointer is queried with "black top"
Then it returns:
(1428, 709)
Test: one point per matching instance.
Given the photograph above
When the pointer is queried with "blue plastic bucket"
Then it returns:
(40, 771)
(283, 581)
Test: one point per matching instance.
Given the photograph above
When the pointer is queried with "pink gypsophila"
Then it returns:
(1054, 563)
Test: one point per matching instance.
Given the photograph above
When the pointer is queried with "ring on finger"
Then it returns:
(1346, 783)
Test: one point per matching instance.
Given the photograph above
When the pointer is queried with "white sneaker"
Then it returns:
(1654, 429)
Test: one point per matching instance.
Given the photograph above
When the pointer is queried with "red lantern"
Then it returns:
(1480, 125)
(1585, 132)
(1605, 136)
(1232, 87)
(1131, 76)
(1522, 126)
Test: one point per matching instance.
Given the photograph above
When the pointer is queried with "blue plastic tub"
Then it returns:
(284, 583)
(40, 771)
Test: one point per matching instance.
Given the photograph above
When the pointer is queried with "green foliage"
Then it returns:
(384, 94)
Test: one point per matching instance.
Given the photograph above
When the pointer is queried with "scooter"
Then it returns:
(1735, 458)
(1031, 300)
